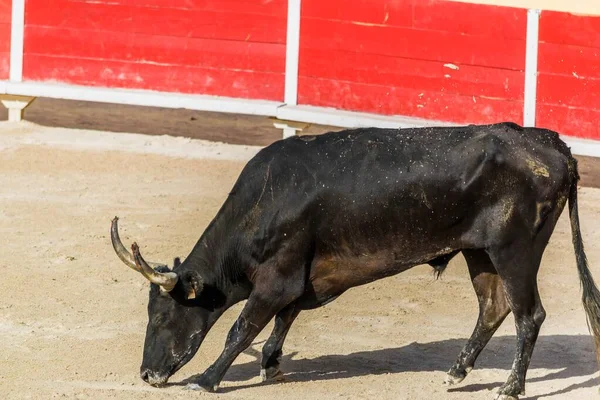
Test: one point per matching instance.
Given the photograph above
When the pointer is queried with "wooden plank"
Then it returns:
(565, 28)
(571, 121)
(273, 7)
(401, 101)
(471, 19)
(569, 90)
(133, 47)
(381, 12)
(197, 80)
(412, 43)
(576, 61)
(160, 21)
(432, 76)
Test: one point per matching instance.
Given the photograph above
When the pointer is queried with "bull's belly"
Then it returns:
(330, 276)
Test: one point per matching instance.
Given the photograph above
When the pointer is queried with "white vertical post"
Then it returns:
(16, 40)
(531, 67)
(292, 52)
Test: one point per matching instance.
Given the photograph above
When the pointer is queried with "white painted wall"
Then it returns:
(574, 6)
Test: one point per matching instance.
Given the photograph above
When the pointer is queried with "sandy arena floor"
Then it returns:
(72, 316)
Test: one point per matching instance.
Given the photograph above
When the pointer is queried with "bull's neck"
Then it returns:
(216, 256)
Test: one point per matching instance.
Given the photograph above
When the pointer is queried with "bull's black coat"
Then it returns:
(310, 217)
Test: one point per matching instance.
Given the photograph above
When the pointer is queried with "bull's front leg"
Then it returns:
(272, 350)
(254, 317)
(272, 292)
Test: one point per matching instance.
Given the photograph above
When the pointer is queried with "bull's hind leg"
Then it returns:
(517, 266)
(272, 350)
(493, 309)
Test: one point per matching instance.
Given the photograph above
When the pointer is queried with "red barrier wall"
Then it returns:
(569, 74)
(230, 48)
(431, 59)
(5, 16)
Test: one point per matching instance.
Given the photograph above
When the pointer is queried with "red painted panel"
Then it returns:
(217, 47)
(438, 15)
(4, 38)
(232, 25)
(5, 16)
(569, 79)
(564, 28)
(569, 90)
(578, 122)
(576, 61)
(4, 65)
(243, 84)
(431, 59)
(392, 100)
(5, 12)
(145, 49)
(380, 12)
(424, 75)
(413, 43)
(273, 7)
(471, 19)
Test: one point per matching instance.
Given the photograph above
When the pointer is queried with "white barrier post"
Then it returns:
(16, 40)
(292, 53)
(531, 67)
(16, 104)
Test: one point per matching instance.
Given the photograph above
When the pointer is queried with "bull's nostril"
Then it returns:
(144, 375)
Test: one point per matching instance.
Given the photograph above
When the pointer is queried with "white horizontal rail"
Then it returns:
(350, 119)
(142, 98)
(308, 114)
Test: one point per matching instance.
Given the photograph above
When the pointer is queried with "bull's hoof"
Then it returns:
(510, 390)
(202, 387)
(506, 397)
(456, 376)
(271, 374)
(453, 380)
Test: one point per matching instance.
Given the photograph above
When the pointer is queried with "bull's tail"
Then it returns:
(591, 294)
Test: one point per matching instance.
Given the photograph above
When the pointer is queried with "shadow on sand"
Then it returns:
(571, 355)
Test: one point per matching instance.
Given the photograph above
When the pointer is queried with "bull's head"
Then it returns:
(181, 310)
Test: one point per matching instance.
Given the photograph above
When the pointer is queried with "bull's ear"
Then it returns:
(210, 298)
(193, 285)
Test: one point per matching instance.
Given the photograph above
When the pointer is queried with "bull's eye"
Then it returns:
(158, 320)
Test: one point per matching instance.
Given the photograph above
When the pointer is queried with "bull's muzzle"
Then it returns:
(153, 378)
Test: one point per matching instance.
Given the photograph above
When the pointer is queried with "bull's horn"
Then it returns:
(166, 280)
(121, 251)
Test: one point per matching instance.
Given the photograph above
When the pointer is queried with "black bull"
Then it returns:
(310, 217)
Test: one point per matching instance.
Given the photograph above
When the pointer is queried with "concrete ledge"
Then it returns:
(582, 147)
